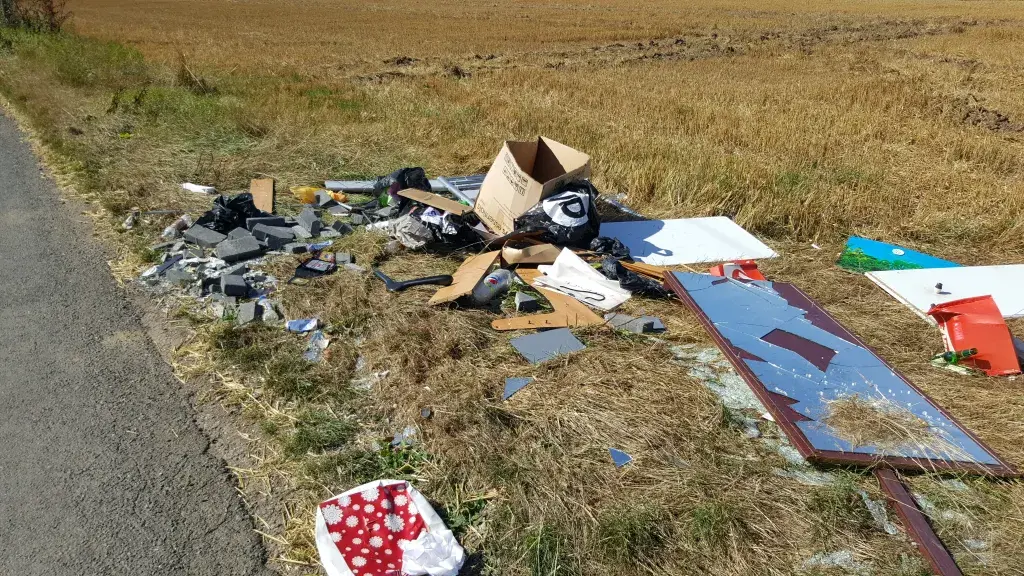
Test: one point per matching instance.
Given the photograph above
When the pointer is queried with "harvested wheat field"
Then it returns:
(805, 121)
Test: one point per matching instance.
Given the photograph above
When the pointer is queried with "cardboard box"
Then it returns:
(523, 174)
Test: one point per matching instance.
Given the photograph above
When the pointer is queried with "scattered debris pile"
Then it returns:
(537, 236)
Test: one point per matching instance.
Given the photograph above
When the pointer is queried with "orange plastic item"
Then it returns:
(977, 323)
(738, 270)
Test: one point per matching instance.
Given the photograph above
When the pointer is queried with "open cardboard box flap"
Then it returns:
(523, 174)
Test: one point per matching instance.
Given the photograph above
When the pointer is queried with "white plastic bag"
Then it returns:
(572, 276)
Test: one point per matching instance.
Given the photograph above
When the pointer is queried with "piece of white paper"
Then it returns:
(199, 189)
(571, 276)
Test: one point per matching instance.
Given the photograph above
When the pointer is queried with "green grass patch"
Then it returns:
(316, 432)
(634, 536)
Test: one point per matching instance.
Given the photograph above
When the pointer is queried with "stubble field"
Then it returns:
(806, 121)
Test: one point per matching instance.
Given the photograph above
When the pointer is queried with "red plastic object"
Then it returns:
(738, 270)
(977, 323)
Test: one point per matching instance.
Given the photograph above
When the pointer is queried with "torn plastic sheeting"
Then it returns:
(687, 240)
(385, 527)
(864, 255)
(977, 323)
(302, 325)
(572, 276)
(787, 378)
(318, 342)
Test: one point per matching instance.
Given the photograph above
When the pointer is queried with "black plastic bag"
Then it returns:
(230, 213)
(401, 179)
(568, 217)
(612, 246)
(612, 268)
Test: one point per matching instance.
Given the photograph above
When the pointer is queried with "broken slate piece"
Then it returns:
(238, 233)
(544, 346)
(358, 219)
(329, 233)
(233, 286)
(236, 270)
(179, 277)
(301, 233)
(203, 236)
(619, 457)
(238, 249)
(526, 303)
(386, 212)
(167, 264)
(247, 312)
(274, 236)
(342, 228)
(355, 268)
(309, 221)
(342, 258)
(324, 199)
(227, 300)
(513, 385)
(251, 223)
(339, 210)
(641, 325)
(295, 248)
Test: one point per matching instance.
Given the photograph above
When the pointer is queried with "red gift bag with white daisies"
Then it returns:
(385, 528)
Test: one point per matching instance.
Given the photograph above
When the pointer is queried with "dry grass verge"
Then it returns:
(797, 145)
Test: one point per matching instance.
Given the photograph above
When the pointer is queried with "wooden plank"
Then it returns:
(916, 524)
(262, 190)
(466, 277)
(650, 270)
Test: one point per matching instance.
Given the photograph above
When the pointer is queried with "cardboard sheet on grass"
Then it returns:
(799, 360)
(439, 202)
(687, 241)
(466, 278)
(566, 311)
(539, 254)
(916, 288)
(523, 174)
(262, 190)
(864, 255)
(977, 323)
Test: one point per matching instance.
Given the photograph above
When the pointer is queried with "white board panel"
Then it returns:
(916, 288)
(687, 241)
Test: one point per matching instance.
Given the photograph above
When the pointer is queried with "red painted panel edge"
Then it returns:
(916, 524)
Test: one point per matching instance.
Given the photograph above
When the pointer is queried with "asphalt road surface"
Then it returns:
(102, 468)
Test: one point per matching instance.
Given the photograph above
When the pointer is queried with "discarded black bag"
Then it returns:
(612, 246)
(612, 268)
(401, 179)
(230, 213)
(567, 218)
